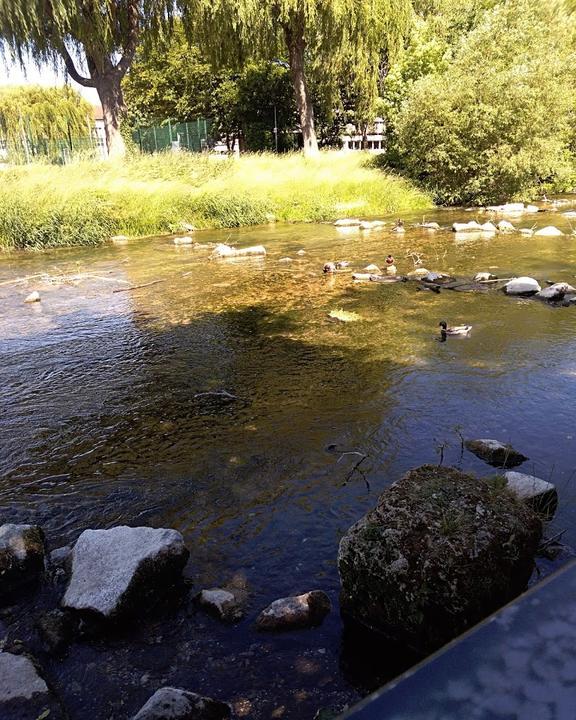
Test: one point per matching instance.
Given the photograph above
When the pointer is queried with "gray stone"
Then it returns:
(175, 704)
(522, 286)
(549, 231)
(61, 557)
(227, 603)
(57, 629)
(438, 278)
(495, 452)
(22, 551)
(541, 495)
(483, 276)
(20, 680)
(123, 569)
(439, 552)
(293, 613)
(557, 291)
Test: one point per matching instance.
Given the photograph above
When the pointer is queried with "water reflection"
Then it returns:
(209, 402)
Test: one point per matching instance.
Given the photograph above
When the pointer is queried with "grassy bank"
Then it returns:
(87, 202)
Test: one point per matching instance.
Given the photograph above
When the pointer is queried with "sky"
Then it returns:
(13, 74)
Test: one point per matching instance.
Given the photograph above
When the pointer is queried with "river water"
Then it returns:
(113, 412)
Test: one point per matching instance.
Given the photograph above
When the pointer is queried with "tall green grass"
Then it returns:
(87, 202)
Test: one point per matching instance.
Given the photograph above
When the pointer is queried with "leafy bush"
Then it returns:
(497, 124)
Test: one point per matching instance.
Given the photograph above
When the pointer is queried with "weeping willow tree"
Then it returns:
(36, 114)
(334, 35)
(95, 40)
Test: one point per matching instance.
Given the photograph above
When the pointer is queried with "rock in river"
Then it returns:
(557, 291)
(22, 551)
(522, 286)
(123, 569)
(227, 603)
(495, 453)
(175, 704)
(23, 693)
(539, 494)
(549, 231)
(293, 613)
(440, 551)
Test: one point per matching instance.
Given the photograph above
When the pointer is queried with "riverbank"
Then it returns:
(88, 202)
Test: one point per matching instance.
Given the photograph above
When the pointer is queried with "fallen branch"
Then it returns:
(22, 279)
(216, 393)
(137, 287)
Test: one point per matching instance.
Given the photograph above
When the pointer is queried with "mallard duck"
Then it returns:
(456, 330)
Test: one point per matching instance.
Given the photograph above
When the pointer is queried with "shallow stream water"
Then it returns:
(112, 412)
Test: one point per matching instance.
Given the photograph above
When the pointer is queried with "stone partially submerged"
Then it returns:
(227, 251)
(294, 613)
(541, 495)
(22, 552)
(228, 603)
(123, 570)
(549, 231)
(170, 703)
(495, 452)
(23, 693)
(439, 552)
(557, 291)
(522, 286)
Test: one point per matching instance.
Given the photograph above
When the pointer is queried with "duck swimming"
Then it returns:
(456, 330)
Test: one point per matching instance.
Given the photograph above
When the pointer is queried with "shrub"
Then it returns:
(498, 123)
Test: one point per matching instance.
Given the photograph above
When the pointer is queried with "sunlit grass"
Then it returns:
(87, 202)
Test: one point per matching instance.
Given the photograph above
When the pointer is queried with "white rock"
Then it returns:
(33, 297)
(539, 493)
(285, 260)
(570, 214)
(507, 208)
(170, 703)
(19, 679)
(301, 252)
(505, 226)
(483, 276)
(466, 227)
(295, 612)
(531, 209)
(430, 226)
(228, 604)
(115, 570)
(347, 222)
(391, 270)
(185, 240)
(418, 274)
(522, 286)
(226, 251)
(549, 231)
(556, 291)
(366, 225)
(489, 227)
(374, 269)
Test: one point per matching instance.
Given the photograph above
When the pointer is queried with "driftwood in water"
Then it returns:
(137, 287)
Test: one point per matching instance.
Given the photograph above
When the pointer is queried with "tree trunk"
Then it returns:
(294, 34)
(109, 90)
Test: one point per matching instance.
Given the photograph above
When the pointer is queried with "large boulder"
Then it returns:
(170, 703)
(495, 453)
(522, 286)
(440, 551)
(124, 569)
(294, 613)
(557, 291)
(540, 494)
(22, 551)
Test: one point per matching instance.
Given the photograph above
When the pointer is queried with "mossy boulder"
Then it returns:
(439, 552)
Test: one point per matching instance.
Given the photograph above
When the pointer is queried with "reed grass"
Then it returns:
(87, 202)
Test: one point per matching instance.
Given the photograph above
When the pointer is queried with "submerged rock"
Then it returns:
(170, 703)
(507, 208)
(549, 231)
(489, 227)
(484, 276)
(227, 603)
(522, 286)
(186, 240)
(293, 613)
(541, 495)
(226, 251)
(495, 453)
(124, 569)
(439, 552)
(22, 552)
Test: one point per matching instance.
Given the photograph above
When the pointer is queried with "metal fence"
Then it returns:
(26, 149)
(194, 136)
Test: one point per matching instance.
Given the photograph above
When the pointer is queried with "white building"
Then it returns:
(375, 138)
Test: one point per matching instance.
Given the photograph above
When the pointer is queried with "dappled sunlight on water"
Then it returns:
(221, 399)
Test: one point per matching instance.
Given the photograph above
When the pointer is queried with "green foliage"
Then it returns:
(86, 203)
(498, 122)
(43, 114)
